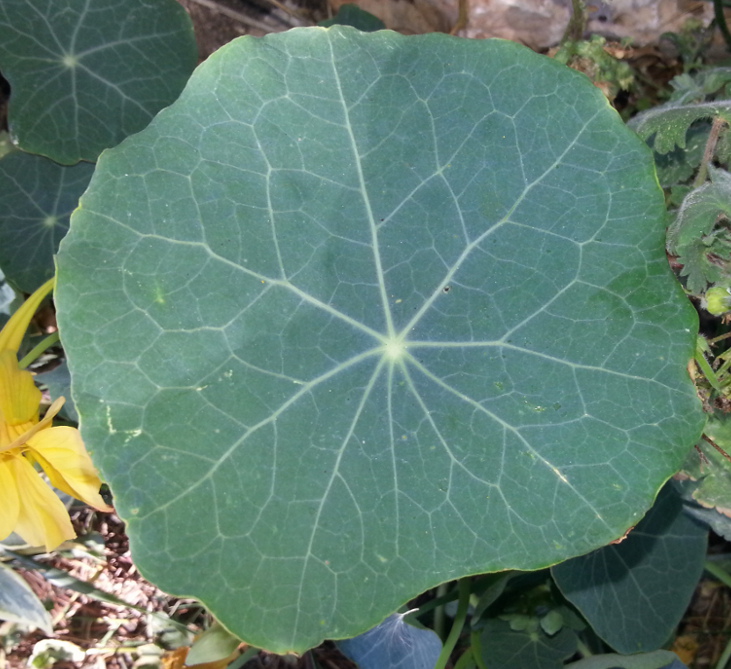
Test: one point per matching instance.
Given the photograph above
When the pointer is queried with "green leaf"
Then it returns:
(697, 87)
(352, 15)
(19, 604)
(669, 123)
(213, 645)
(362, 313)
(58, 383)
(62, 579)
(679, 165)
(393, 644)
(712, 470)
(86, 73)
(658, 659)
(7, 296)
(530, 649)
(38, 197)
(695, 236)
(634, 593)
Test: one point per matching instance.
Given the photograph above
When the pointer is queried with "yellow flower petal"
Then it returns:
(12, 333)
(28, 505)
(61, 453)
(9, 497)
(42, 518)
(20, 441)
(19, 398)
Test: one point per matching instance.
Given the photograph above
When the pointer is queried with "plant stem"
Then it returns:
(715, 340)
(463, 586)
(721, 22)
(462, 17)
(717, 447)
(476, 640)
(440, 617)
(721, 574)
(38, 349)
(708, 152)
(707, 371)
(577, 23)
(583, 648)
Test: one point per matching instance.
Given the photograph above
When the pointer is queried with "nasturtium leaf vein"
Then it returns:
(374, 312)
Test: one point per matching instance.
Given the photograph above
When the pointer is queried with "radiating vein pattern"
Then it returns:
(85, 74)
(383, 312)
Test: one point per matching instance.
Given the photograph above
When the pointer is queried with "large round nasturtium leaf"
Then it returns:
(85, 74)
(362, 313)
(37, 197)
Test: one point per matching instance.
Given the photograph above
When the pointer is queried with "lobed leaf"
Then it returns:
(702, 245)
(667, 125)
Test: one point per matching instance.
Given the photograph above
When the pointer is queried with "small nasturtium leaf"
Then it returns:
(509, 648)
(87, 73)
(37, 199)
(361, 313)
(394, 644)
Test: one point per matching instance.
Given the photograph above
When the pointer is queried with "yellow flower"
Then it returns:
(27, 505)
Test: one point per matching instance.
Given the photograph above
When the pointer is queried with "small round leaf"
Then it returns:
(85, 74)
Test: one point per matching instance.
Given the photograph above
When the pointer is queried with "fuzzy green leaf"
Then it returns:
(667, 125)
(703, 247)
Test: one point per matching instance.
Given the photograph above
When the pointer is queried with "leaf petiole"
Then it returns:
(463, 586)
(704, 366)
(38, 350)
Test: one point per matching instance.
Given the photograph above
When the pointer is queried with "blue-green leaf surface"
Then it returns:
(37, 199)
(659, 659)
(634, 593)
(87, 73)
(394, 644)
(18, 602)
(529, 648)
(363, 313)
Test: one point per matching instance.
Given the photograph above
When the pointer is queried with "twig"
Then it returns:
(715, 340)
(233, 14)
(291, 12)
(462, 17)
(577, 23)
(717, 447)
